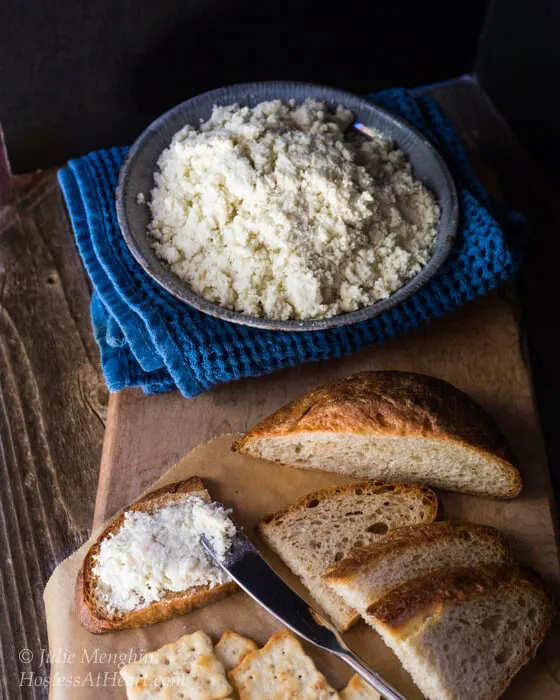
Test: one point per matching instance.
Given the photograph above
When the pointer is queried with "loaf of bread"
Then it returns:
(395, 426)
(93, 596)
(368, 573)
(321, 528)
(463, 634)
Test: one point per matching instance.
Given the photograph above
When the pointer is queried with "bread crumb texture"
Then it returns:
(280, 211)
(321, 528)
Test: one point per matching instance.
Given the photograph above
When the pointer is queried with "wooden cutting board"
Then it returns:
(227, 476)
(478, 349)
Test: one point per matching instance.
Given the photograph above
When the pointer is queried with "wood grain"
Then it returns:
(477, 349)
(480, 349)
(53, 399)
(52, 412)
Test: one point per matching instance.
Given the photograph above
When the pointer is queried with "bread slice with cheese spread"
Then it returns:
(148, 566)
(369, 573)
(322, 527)
(395, 426)
(463, 634)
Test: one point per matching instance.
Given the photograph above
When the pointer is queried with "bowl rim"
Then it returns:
(179, 289)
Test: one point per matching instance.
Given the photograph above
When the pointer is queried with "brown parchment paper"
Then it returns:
(86, 666)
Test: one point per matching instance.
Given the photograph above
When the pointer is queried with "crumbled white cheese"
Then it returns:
(277, 211)
(155, 553)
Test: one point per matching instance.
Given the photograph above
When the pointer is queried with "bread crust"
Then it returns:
(95, 620)
(429, 594)
(408, 536)
(371, 487)
(392, 404)
(404, 610)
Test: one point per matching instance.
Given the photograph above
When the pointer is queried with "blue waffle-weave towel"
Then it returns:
(149, 339)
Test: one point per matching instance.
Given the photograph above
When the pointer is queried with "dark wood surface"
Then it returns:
(53, 399)
(52, 412)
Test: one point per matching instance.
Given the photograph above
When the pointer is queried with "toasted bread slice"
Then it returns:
(321, 528)
(463, 634)
(92, 613)
(395, 426)
(367, 574)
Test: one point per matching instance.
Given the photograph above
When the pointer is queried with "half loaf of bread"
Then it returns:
(395, 426)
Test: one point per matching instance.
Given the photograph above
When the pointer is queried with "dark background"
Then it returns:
(518, 64)
(76, 76)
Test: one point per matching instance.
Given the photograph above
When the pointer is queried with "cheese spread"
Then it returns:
(155, 553)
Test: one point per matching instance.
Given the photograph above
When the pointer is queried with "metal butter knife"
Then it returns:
(250, 571)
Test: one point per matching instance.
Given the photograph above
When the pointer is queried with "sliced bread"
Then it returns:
(368, 573)
(463, 634)
(91, 593)
(396, 426)
(321, 528)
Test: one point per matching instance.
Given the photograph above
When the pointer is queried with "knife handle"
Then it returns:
(369, 675)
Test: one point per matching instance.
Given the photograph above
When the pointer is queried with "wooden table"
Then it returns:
(53, 400)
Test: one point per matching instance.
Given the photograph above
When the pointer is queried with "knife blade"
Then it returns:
(250, 571)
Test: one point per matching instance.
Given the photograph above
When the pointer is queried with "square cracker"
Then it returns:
(186, 669)
(357, 689)
(233, 648)
(280, 670)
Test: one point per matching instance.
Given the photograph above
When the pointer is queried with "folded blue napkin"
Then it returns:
(148, 339)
